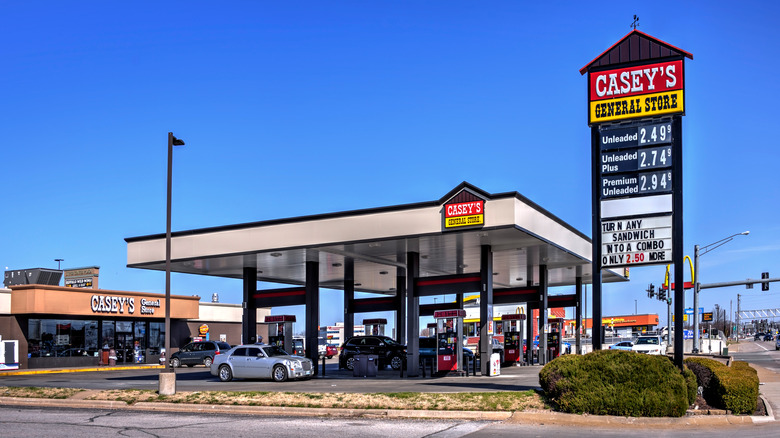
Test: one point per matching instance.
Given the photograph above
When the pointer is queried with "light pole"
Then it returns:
(167, 384)
(700, 251)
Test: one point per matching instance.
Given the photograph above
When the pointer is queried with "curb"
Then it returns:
(607, 421)
(79, 370)
(525, 417)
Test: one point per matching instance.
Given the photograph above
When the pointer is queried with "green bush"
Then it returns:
(611, 382)
(692, 384)
(734, 388)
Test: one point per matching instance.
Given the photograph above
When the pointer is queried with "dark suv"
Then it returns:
(197, 353)
(388, 351)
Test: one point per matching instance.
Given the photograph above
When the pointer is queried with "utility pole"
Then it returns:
(739, 326)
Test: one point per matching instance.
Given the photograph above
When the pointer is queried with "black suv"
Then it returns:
(388, 351)
(197, 353)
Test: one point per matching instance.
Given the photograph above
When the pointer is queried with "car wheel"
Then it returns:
(329, 357)
(207, 361)
(396, 362)
(279, 373)
(349, 363)
(225, 375)
(175, 362)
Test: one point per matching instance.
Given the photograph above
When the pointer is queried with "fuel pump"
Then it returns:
(512, 326)
(432, 329)
(375, 327)
(554, 337)
(449, 340)
(280, 331)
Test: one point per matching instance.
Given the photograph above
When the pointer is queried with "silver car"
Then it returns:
(260, 361)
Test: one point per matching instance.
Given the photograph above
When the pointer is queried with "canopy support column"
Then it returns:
(413, 312)
(486, 309)
(312, 312)
(249, 317)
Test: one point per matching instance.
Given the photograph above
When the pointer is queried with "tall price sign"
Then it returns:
(636, 99)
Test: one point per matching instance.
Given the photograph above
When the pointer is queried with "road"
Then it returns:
(84, 423)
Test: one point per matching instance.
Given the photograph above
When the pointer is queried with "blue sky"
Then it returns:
(297, 108)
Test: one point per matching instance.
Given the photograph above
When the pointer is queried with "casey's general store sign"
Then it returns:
(639, 91)
(464, 214)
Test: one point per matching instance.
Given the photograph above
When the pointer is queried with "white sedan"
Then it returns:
(260, 361)
(649, 345)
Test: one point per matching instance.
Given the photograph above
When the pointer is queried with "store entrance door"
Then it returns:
(124, 348)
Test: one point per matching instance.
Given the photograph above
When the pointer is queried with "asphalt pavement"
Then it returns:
(762, 357)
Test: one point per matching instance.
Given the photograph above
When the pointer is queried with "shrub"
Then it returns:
(610, 382)
(734, 388)
(692, 384)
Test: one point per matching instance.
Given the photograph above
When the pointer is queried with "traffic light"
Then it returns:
(651, 290)
(764, 286)
(662, 294)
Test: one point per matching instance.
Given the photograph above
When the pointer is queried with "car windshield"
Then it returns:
(273, 350)
(647, 341)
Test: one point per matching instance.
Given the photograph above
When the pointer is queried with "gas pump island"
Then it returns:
(280, 331)
(449, 340)
(375, 327)
(512, 327)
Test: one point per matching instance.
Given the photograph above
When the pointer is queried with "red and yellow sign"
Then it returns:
(464, 214)
(638, 91)
(203, 329)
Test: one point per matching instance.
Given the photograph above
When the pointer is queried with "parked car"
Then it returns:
(625, 346)
(428, 350)
(327, 351)
(649, 345)
(197, 353)
(260, 361)
(388, 351)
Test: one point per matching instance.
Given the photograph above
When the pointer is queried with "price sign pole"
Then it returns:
(636, 99)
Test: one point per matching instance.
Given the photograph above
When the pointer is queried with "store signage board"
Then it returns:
(634, 92)
(628, 242)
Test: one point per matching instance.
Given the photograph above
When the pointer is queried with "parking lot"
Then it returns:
(198, 378)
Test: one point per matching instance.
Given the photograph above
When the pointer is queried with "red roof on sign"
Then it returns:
(635, 46)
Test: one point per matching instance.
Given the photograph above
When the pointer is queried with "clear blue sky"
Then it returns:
(298, 108)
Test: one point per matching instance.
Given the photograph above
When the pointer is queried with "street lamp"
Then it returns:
(167, 384)
(700, 251)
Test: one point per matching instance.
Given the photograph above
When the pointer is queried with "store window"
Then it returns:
(62, 338)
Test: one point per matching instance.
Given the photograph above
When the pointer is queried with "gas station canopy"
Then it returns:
(523, 237)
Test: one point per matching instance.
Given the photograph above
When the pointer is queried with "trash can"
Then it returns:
(104, 357)
(365, 365)
(112, 357)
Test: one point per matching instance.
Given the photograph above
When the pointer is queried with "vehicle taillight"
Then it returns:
(216, 353)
